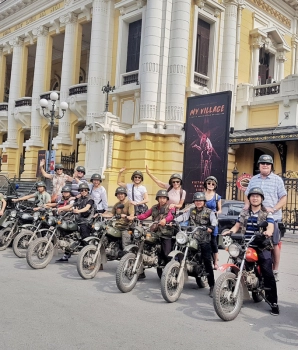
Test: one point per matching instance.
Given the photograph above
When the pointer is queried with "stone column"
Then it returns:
(178, 56)
(281, 58)
(150, 67)
(256, 44)
(2, 74)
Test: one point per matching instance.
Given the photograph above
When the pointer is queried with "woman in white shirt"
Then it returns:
(98, 194)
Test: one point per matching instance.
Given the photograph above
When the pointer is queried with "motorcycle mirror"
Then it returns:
(263, 224)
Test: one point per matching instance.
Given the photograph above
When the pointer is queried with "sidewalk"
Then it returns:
(290, 237)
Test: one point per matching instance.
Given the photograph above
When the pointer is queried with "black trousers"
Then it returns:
(166, 248)
(265, 262)
(84, 230)
(207, 260)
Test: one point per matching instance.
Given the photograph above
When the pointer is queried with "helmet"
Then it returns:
(210, 178)
(83, 186)
(256, 190)
(121, 190)
(59, 166)
(162, 193)
(137, 172)
(265, 158)
(96, 177)
(41, 184)
(66, 189)
(175, 176)
(81, 169)
(199, 196)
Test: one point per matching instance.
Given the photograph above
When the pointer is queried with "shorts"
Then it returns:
(276, 234)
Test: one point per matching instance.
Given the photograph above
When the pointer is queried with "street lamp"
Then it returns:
(106, 90)
(45, 104)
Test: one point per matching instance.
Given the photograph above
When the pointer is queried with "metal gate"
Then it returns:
(69, 162)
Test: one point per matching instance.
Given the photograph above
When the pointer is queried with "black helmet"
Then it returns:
(162, 193)
(256, 190)
(83, 186)
(210, 178)
(175, 176)
(96, 177)
(41, 184)
(265, 158)
(66, 188)
(81, 169)
(199, 196)
(137, 172)
(121, 190)
(59, 166)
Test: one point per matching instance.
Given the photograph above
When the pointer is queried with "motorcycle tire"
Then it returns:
(21, 243)
(159, 272)
(124, 268)
(257, 296)
(202, 282)
(223, 289)
(35, 249)
(3, 234)
(86, 269)
(170, 289)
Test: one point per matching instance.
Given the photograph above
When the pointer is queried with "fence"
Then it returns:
(69, 162)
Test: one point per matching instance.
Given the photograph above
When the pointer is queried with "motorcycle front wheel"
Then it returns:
(226, 306)
(86, 268)
(170, 288)
(36, 258)
(21, 243)
(125, 279)
(3, 235)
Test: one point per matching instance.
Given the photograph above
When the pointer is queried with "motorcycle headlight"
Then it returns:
(234, 250)
(181, 238)
(97, 226)
(137, 232)
(36, 215)
(13, 213)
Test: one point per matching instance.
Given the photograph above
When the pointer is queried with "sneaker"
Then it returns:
(275, 273)
(62, 260)
(274, 310)
(211, 292)
(142, 276)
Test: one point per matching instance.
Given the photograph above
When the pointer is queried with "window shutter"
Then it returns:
(133, 46)
(202, 52)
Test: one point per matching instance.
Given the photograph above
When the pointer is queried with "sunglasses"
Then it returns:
(59, 169)
(175, 182)
(80, 171)
(263, 163)
(137, 177)
(211, 183)
(84, 190)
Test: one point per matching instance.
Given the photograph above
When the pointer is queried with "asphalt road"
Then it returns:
(55, 309)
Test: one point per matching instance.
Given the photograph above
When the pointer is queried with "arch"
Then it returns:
(56, 83)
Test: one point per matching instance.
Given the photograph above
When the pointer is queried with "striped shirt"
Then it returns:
(252, 223)
(273, 188)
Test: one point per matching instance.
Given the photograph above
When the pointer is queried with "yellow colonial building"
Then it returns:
(156, 53)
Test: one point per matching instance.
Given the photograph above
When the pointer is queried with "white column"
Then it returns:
(97, 76)
(178, 57)
(38, 84)
(229, 46)
(281, 58)
(255, 62)
(150, 68)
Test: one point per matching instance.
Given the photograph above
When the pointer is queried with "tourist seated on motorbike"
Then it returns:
(2, 204)
(42, 197)
(202, 216)
(64, 201)
(247, 223)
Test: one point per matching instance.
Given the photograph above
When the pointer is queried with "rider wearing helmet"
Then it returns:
(247, 223)
(136, 192)
(65, 201)
(98, 193)
(174, 187)
(275, 198)
(78, 178)
(202, 216)
(42, 197)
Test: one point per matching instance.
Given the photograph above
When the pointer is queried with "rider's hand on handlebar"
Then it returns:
(131, 217)
(14, 200)
(163, 222)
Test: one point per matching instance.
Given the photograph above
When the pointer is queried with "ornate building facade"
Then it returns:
(156, 53)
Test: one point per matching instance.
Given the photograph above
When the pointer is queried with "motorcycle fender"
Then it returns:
(25, 226)
(177, 253)
(224, 267)
(131, 248)
(103, 256)
(7, 223)
(88, 239)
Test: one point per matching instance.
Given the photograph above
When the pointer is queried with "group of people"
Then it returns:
(265, 196)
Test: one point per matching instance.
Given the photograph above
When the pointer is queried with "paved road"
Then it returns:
(55, 309)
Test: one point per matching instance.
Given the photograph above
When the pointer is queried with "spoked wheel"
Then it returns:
(21, 243)
(202, 281)
(170, 288)
(226, 306)
(4, 242)
(36, 257)
(86, 268)
(125, 278)
(257, 296)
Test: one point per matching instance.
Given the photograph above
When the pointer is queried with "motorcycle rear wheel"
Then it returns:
(226, 307)
(125, 280)
(21, 243)
(85, 267)
(35, 258)
(170, 289)
(3, 234)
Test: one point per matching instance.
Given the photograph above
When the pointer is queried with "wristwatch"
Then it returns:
(275, 209)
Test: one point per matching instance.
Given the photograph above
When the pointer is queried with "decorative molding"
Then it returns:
(40, 31)
(266, 138)
(16, 42)
(68, 18)
(200, 3)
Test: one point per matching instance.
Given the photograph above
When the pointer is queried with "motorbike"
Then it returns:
(186, 261)
(42, 218)
(241, 275)
(144, 253)
(17, 219)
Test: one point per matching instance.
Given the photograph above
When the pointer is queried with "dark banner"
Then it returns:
(206, 141)
(41, 155)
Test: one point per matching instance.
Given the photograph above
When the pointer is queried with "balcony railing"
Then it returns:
(4, 107)
(130, 77)
(78, 89)
(26, 101)
(200, 79)
(267, 89)
(47, 94)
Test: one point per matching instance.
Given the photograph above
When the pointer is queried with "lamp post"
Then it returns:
(106, 90)
(45, 104)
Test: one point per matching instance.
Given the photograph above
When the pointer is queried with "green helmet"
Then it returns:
(162, 193)
(59, 166)
(96, 177)
(81, 169)
(41, 184)
(199, 196)
(175, 176)
(121, 190)
(137, 172)
(265, 158)
(66, 188)
(256, 190)
(83, 186)
(210, 178)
